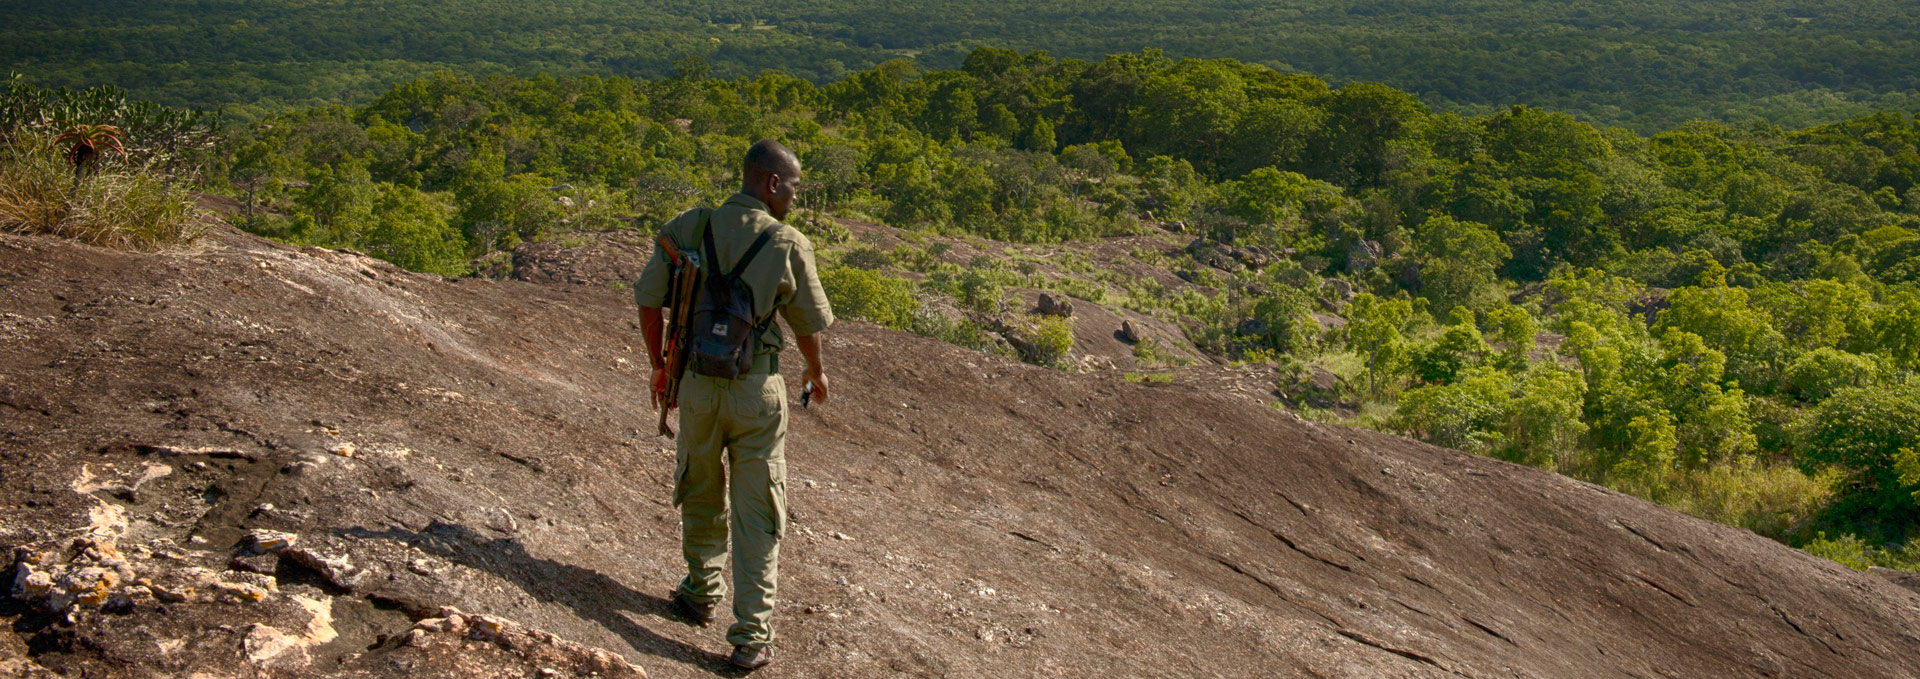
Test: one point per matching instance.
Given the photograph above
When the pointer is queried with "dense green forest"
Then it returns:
(1723, 318)
(1645, 65)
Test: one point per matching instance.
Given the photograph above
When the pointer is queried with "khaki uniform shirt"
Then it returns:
(782, 277)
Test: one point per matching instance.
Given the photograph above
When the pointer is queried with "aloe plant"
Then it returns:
(85, 143)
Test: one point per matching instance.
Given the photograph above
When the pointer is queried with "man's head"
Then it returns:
(771, 174)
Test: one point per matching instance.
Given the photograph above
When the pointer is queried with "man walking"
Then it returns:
(737, 427)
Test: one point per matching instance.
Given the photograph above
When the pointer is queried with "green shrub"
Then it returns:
(960, 332)
(1286, 315)
(411, 229)
(490, 209)
(1147, 351)
(858, 293)
(1646, 468)
(1817, 374)
(980, 290)
(1459, 348)
(1865, 431)
(1772, 500)
(864, 257)
(820, 228)
(1081, 289)
(914, 258)
(1853, 552)
(1465, 415)
(1052, 339)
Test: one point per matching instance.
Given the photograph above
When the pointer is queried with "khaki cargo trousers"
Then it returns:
(734, 428)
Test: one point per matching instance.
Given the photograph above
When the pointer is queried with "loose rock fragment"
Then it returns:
(269, 541)
(336, 569)
(269, 647)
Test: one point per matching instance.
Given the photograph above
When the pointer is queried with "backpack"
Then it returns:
(723, 333)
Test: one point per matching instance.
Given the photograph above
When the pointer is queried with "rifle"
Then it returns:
(686, 285)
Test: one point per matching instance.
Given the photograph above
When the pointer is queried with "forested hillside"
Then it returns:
(1722, 318)
(1645, 65)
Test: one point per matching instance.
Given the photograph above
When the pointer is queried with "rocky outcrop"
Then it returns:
(1363, 255)
(955, 513)
(455, 644)
(583, 258)
(1226, 257)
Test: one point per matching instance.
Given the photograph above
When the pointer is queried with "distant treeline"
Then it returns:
(1644, 64)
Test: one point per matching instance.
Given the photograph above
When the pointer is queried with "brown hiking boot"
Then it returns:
(750, 658)
(691, 611)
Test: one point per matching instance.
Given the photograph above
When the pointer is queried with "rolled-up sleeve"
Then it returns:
(808, 312)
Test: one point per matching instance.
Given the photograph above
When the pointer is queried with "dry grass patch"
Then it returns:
(115, 206)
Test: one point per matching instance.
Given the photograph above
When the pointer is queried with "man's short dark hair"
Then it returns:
(770, 157)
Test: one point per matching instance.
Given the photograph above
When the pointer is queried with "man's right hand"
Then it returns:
(659, 387)
(652, 326)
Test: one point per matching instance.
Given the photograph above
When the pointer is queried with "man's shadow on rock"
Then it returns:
(591, 594)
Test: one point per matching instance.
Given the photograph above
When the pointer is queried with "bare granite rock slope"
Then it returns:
(258, 460)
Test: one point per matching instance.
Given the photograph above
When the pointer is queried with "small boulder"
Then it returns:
(1254, 256)
(1324, 380)
(1054, 307)
(1410, 276)
(1129, 333)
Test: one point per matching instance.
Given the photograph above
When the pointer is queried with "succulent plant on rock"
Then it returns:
(85, 143)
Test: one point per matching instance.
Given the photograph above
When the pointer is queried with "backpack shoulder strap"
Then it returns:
(713, 255)
(706, 238)
(745, 259)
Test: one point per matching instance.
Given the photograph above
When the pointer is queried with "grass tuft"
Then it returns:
(116, 206)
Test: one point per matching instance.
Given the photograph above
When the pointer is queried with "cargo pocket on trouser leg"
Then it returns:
(759, 457)
(777, 497)
(679, 477)
(774, 395)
